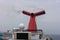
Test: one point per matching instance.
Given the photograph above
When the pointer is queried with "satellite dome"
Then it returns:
(21, 26)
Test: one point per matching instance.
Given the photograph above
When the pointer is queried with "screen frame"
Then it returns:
(15, 35)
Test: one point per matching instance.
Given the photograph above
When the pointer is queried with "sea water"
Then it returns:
(55, 37)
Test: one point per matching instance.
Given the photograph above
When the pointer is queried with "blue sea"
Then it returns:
(55, 37)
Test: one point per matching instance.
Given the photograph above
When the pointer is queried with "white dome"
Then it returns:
(21, 25)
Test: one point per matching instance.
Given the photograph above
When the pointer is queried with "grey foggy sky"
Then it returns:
(11, 15)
